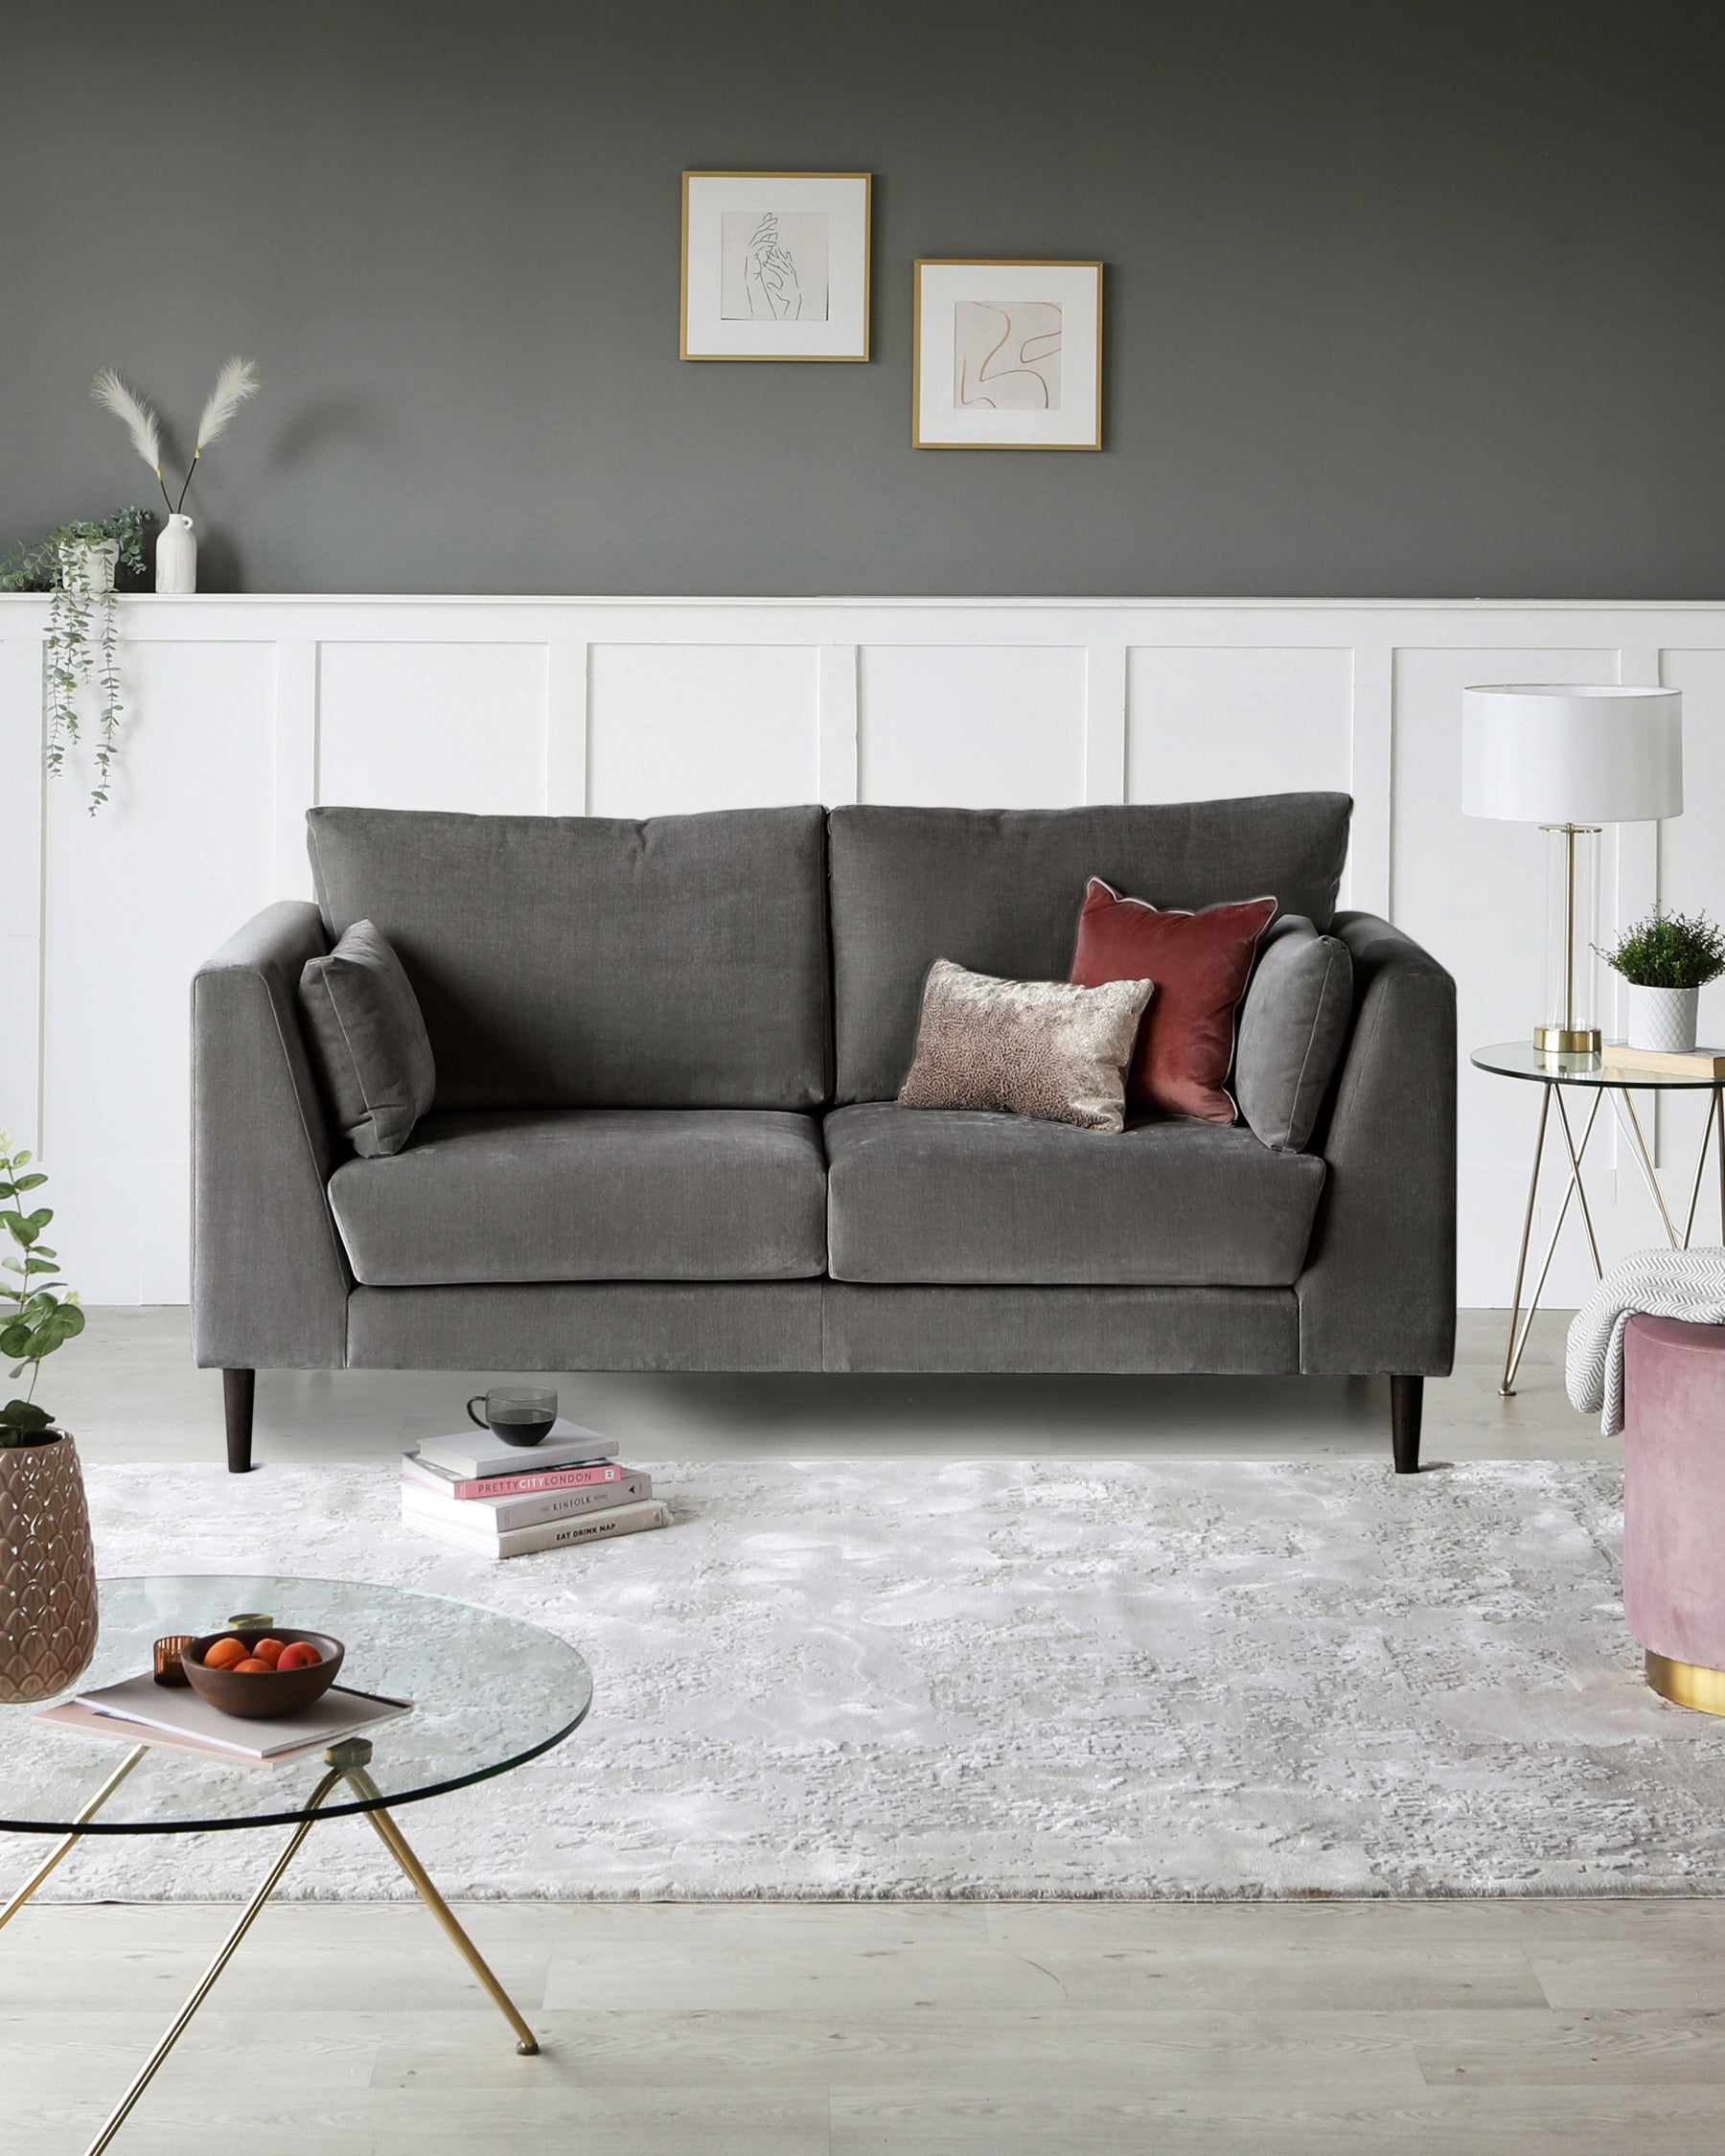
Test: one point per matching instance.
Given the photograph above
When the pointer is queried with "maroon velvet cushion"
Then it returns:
(1200, 963)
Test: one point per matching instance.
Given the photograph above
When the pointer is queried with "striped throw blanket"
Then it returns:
(1687, 1284)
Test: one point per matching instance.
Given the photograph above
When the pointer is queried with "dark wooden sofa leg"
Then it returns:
(237, 1389)
(1406, 1401)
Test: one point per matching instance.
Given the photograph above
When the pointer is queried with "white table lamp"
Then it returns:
(1571, 758)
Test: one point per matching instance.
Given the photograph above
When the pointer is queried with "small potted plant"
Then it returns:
(48, 1607)
(76, 565)
(1666, 959)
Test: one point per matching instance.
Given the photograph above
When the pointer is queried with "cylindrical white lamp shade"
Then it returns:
(1568, 753)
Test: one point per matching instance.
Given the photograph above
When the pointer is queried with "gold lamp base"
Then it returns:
(1567, 1041)
(1686, 1684)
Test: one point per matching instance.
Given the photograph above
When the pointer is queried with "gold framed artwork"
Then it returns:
(1008, 356)
(775, 265)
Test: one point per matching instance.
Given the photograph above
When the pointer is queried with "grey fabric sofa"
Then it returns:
(665, 1136)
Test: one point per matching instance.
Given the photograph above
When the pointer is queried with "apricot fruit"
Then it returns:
(301, 1654)
(269, 1651)
(250, 1667)
(224, 1654)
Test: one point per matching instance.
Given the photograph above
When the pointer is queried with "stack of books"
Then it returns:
(507, 1500)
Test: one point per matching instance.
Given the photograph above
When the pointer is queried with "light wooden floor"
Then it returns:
(1507, 2028)
(1529, 2028)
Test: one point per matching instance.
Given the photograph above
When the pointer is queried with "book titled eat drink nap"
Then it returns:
(555, 1534)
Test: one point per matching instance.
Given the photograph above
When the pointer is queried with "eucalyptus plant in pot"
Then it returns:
(1666, 959)
(47, 1569)
(76, 565)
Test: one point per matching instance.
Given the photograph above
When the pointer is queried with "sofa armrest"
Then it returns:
(269, 1278)
(1378, 1294)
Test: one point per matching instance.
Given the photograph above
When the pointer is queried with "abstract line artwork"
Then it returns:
(773, 266)
(1006, 356)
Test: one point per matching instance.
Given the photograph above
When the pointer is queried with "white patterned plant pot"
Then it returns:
(1662, 1017)
(91, 563)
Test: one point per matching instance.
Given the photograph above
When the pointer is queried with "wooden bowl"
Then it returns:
(262, 1693)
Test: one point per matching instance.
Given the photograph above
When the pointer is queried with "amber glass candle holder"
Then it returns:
(169, 1669)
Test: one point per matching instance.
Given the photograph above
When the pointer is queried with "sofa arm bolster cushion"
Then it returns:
(269, 1279)
(1378, 1294)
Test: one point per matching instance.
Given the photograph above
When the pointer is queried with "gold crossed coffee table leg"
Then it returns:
(348, 1761)
(1521, 1323)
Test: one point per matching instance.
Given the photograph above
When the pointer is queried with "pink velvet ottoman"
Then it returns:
(1674, 1506)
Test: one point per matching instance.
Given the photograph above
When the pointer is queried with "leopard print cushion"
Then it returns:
(1032, 1047)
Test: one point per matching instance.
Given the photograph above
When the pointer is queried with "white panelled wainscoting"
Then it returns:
(243, 712)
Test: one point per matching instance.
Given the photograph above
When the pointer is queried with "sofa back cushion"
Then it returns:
(594, 962)
(1000, 890)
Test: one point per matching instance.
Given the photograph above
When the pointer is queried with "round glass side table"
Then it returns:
(489, 1694)
(1598, 1076)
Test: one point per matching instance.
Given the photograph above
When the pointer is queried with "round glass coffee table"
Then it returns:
(1599, 1077)
(489, 1694)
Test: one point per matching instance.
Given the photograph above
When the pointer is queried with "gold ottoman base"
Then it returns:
(1686, 1684)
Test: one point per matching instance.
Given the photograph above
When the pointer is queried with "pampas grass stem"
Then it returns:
(137, 418)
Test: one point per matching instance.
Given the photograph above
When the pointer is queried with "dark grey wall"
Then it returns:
(1402, 298)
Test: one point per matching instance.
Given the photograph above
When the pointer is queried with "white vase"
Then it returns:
(176, 555)
(93, 561)
(1662, 1017)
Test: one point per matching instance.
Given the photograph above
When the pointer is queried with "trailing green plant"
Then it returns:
(1668, 950)
(84, 628)
(43, 1311)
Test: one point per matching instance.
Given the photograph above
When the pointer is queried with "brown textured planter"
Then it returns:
(47, 1571)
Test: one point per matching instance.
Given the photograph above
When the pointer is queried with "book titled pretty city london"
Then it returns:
(482, 1496)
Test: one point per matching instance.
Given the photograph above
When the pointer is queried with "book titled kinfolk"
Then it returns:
(447, 1524)
(477, 1455)
(499, 1515)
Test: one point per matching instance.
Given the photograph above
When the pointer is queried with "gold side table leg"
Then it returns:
(1518, 1343)
(1593, 1241)
(1719, 1098)
(1651, 1174)
(395, 1843)
(72, 1839)
(1506, 1385)
(1688, 1225)
(253, 1909)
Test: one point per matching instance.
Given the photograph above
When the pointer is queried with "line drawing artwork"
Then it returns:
(1006, 355)
(773, 266)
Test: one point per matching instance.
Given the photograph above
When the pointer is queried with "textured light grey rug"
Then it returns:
(966, 1678)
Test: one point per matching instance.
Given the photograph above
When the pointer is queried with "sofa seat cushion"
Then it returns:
(589, 1194)
(918, 1195)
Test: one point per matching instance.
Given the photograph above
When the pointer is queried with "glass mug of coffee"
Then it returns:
(520, 1414)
